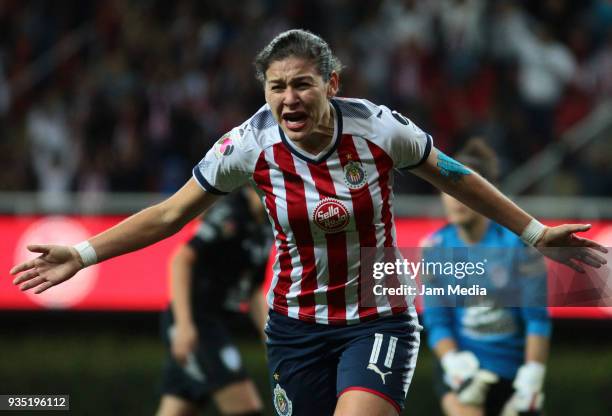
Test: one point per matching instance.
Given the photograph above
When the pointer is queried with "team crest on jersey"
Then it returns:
(224, 147)
(355, 176)
(282, 404)
(331, 215)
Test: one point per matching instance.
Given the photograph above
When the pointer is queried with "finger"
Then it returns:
(32, 283)
(25, 277)
(22, 267)
(590, 260)
(590, 243)
(577, 228)
(574, 266)
(599, 259)
(39, 248)
(44, 287)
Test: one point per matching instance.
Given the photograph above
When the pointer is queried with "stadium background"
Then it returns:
(106, 105)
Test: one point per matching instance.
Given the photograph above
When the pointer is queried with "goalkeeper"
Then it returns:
(491, 358)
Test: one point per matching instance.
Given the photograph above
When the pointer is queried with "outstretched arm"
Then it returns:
(59, 263)
(474, 191)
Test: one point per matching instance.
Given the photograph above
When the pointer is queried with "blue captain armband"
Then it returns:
(450, 168)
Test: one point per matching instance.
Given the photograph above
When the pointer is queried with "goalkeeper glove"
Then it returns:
(474, 390)
(459, 366)
(528, 397)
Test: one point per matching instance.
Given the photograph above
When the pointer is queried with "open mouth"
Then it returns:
(295, 121)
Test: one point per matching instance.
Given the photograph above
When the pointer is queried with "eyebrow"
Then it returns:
(293, 80)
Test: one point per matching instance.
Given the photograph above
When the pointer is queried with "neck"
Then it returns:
(473, 232)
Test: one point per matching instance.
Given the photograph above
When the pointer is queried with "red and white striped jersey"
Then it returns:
(323, 208)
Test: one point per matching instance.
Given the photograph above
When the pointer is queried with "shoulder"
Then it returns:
(261, 129)
(372, 121)
(355, 108)
(245, 142)
(401, 139)
(358, 116)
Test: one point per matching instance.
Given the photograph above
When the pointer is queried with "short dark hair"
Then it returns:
(479, 156)
(299, 43)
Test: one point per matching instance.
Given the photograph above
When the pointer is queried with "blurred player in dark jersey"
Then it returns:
(214, 276)
(491, 356)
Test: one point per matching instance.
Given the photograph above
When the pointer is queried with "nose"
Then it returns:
(290, 97)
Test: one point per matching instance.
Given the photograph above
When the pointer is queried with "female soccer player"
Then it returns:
(324, 167)
(491, 355)
(213, 275)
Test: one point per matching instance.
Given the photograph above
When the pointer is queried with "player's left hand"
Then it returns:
(562, 245)
(528, 396)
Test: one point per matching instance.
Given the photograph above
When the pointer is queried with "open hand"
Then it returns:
(562, 245)
(55, 265)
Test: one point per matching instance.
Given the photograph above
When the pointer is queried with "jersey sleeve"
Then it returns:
(405, 142)
(227, 165)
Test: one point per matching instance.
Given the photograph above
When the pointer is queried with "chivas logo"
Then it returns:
(354, 175)
(282, 404)
(331, 215)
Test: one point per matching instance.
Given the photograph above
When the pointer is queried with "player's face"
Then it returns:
(299, 97)
(457, 213)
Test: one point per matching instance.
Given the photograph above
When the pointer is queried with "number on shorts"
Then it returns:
(378, 341)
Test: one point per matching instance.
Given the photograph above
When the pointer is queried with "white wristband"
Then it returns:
(87, 253)
(533, 232)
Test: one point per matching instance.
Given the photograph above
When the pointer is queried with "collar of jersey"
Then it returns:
(325, 153)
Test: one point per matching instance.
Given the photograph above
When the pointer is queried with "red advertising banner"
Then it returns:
(139, 281)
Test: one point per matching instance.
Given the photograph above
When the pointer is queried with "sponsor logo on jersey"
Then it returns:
(331, 215)
(224, 147)
(282, 404)
(354, 175)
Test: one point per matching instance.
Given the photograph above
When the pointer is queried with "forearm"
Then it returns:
(139, 230)
(478, 194)
(152, 224)
(180, 290)
(474, 191)
(537, 348)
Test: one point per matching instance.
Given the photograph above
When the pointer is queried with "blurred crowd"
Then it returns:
(118, 96)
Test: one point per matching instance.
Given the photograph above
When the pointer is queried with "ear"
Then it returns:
(333, 84)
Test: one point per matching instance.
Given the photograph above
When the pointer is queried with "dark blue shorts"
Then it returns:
(311, 365)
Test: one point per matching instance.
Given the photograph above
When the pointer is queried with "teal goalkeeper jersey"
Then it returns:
(495, 333)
